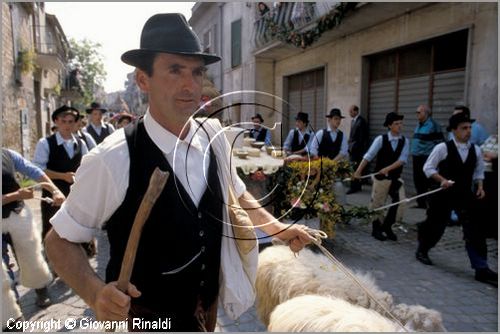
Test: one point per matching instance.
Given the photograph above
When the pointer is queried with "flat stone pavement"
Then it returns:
(448, 286)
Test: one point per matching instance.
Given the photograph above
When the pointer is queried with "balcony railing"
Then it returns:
(285, 20)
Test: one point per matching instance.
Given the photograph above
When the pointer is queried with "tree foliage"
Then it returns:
(85, 55)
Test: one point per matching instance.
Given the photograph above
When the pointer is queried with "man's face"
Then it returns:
(65, 125)
(353, 113)
(463, 132)
(256, 123)
(301, 125)
(174, 88)
(334, 122)
(421, 114)
(396, 127)
(96, 116)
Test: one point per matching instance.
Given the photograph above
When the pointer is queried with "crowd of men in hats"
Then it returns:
(201, 266)
(436, 163)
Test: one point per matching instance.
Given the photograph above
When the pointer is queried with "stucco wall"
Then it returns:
(343, 57)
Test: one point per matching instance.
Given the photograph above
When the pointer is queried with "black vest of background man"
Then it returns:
(261, 134)
(178, 238)
(327, 147)
(9, 184)
(59, 161)
(460, 197)
(296, 144)
(387, 156)
(452, 168)
(99, 138)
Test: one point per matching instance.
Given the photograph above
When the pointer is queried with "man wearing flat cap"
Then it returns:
(330, 142)
(457, 165)
(298, 140)
(59, 156)
(181, 267)
(97, 128)
(391, 150)
(259, 132)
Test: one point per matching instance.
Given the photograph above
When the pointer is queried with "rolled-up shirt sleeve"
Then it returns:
(479, 169)
(25, 167)
(437, 155)
(374, 148)
(41, 156)
(403, 157)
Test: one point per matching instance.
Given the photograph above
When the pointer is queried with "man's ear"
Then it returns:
(142, 80)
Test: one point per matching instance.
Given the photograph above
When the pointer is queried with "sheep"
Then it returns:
(282, 276)
(325, 314)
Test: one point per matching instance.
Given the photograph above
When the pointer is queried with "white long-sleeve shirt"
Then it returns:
(90, 204)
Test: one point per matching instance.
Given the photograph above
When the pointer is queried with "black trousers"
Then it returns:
(422, 183)
(355, 161)
(474, 231)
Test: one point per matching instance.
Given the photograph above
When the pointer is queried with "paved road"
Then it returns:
(448, 286)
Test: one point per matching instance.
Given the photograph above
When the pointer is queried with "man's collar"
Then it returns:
(329, 129)
(100, 125)
(166, 140)
(393, 137)
(458, 144)
(60, 140)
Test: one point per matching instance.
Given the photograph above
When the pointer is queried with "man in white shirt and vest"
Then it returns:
(97, 128)
(176, 272)
(457, 165)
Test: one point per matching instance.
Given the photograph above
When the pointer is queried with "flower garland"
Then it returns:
(307, 191)
(288, 34)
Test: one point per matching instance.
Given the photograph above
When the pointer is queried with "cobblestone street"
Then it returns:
(448, 286)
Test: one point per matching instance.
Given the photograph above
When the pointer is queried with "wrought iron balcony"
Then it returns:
(281, 21)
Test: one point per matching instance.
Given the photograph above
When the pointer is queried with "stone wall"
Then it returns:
(17, 96)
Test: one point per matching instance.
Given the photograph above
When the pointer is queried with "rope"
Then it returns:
(406, 200)
(44, 199)
(361, 177)
(317, 235)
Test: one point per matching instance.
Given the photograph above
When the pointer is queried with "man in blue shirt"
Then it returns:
(391, 150)
(330, 142)
(427, 134)
(17, 221)
(298, 139)
(259, 132)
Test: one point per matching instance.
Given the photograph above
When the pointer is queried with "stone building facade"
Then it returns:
(34, 67)
(382, 56)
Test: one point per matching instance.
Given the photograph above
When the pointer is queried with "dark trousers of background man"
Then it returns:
(422, 183)
(355, 161)
(474, 231)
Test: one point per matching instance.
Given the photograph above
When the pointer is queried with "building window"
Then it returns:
(207, 41)
(236, 43)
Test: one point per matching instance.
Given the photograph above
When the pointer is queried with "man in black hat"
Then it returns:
(457, 165)
(391, 150)
(83, 135)
(330, 142)
(181, 253)
(298, 139)
(97, 128)
(59, 156)
(259, 132)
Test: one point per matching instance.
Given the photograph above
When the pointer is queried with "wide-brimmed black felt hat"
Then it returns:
(456, 119)
(335, 112)
(302, 116)
(392, 117)
(65, 110)
(167, 33)
(96, 106)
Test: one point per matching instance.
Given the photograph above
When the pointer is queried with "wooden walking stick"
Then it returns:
(156, 184)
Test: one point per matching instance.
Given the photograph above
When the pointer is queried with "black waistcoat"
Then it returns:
(327, 147)
(452, 168)
(59, 161)
(99, 138)
(386, 156)
(176, 237)
(261, 136)
(9, 184)
(296, 145)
